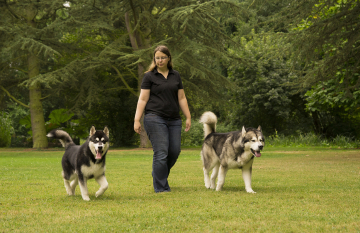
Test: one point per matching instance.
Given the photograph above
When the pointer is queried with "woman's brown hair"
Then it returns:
(165, 50)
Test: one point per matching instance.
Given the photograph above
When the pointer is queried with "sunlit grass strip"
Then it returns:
(308, 190)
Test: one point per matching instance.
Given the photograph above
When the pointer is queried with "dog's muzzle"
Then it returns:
(257, 152)
(99, 152)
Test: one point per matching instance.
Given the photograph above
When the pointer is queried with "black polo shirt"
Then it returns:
(163, 99)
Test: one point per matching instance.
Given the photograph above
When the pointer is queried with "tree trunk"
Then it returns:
(36, 108)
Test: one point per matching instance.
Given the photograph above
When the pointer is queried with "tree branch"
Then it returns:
(124, 81)
(133, 9)
(12, 97)
(45, 97)
(132, 73)
(15, 68)
(131, 33)
(10, 10)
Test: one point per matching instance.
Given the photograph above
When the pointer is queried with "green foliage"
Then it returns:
(311, 140)
(263, 95)
(195, 136)
(116, 109)
(325, 36)
(6, 129)
(26, 122)
(63, 119)
(101, 39)
(60, 119)
(332, 94)
(16, 113)
(336, 106)
(85, 51)
(59, 116)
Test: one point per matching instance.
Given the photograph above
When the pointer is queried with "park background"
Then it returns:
(290, 66)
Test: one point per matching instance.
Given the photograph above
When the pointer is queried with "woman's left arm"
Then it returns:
(184, 108)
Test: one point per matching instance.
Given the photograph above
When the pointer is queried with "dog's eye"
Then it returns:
(253, 140)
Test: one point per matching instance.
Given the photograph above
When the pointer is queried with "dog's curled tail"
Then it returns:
(63, 137)
(209, 120)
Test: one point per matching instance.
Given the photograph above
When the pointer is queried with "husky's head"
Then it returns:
(253, 140)
(99, 142)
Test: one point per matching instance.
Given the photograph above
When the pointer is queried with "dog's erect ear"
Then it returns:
(106, 131)
(243, 131)
(92, 131)
(259, 128)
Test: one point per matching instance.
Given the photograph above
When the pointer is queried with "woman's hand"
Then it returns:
(137, 127)
(143, 99)
(188, 124)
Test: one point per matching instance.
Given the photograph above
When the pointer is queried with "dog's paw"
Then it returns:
(250, 191)
(207, 184)
(86, 198)
(70, 192)
(99, 193)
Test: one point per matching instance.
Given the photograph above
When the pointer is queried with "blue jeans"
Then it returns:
(165, 138)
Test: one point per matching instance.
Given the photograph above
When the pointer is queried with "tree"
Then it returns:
(333, 110)
(263, 95)
(31, 40)
(131, 30)
(326, 37)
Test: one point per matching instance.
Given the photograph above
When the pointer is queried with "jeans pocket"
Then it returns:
(150, 119)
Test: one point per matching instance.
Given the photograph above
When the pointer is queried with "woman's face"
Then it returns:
(161, 59)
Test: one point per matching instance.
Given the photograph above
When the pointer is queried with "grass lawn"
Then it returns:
(298, 190)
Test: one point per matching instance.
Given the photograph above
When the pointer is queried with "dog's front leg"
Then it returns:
(101, 180)
(83, 188)
(221, 177)
(246, 173)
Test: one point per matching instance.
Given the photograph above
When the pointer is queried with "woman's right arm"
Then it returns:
(143, 99)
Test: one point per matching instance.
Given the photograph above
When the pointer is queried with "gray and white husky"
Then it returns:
(84, 162)
(223, 151)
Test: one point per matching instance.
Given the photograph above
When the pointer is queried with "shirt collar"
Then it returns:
(157, 72)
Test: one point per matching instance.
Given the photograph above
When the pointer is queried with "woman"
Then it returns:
(161, 96)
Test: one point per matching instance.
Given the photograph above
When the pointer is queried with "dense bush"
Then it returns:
(6, 130)
(310, 139)
(195, 136)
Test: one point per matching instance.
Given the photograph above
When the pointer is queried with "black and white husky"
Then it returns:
(84, 162)
(224, 151)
